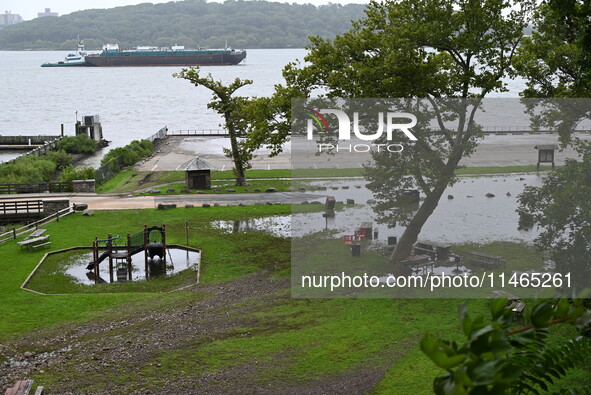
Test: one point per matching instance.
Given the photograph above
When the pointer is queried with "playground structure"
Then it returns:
(152, 241)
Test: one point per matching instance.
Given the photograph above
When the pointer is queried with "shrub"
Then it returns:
(80, 144)
(72, 173)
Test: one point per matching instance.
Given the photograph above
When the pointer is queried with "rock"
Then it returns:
(302, 189)
(29, 354)
(154, 191)
(508, 193)
(450, 197)
(200, 192)
(246, 189)
(257, 190)
(346, 187)
(88, 213)
(185, 191)
(350, 201)
(80, 207)
(316, 202)
(334, 188)
(469, 196)
(358, 186)
(205, 205)
(216, 205)
(241, 205)
(270, 190)
(322, 188)
(189, 206)
(171, 190)
(489, 195)
(217, 191)
(521, 179)
(305, 202)
(259, 204)
(269, 204)
(162, 206)
(230, 190)
(371, 201)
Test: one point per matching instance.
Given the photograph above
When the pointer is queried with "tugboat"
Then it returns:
(71, 59)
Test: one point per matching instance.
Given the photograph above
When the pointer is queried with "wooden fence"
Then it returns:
(16, 232)
(36, 187)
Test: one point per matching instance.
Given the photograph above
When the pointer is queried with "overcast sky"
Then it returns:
(28, 9)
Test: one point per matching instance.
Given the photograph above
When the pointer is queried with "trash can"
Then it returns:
(392, 240)
(356, 249)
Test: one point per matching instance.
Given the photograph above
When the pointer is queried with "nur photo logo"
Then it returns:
(387, 122)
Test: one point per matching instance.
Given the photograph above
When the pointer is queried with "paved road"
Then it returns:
(494, 150)
(123, 202)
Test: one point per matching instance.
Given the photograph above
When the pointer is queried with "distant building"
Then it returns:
(46, 13)
(9, 18)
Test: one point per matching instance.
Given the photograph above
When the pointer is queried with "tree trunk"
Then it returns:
(412, 231)
(236, 157)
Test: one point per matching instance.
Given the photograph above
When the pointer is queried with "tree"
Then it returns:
(499, 358)
(431, 50)
(229, 107)
(556, 59)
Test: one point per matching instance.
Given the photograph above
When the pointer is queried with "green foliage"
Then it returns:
(80, 144)
(496, 358)
(130, 154)
(401, 49)
(562, 209)
(556, 59)
(72, 173)
(244, 24)
(31, 168)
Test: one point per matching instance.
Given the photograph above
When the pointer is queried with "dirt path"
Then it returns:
(94, 357)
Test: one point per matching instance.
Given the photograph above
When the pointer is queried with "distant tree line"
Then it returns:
(192, 23)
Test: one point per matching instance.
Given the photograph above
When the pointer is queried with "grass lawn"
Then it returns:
(131, 180)
(275, 338)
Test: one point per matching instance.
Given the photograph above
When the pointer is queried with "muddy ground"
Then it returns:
(91, 358)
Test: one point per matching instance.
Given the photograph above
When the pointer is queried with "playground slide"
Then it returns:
(101, 258)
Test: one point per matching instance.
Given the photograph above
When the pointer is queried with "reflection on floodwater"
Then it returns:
(176, 261)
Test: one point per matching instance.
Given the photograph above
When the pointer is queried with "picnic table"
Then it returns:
(435, 250)
(36, 233)
(35, 242)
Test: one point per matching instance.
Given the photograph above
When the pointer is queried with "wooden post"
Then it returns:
(57, 216)
(62, 130)
(164, 246)
(146, 257)
(14, 233)
(186, 232)
(110, 252)
(129, 257)
(96, 260)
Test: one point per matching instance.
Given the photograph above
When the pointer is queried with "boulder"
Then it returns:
(88, 213)
(162, 206)
(450, 197)
(171, 190)
(489, 195)
(206, 205)
(189, 206)
(350, 201)
(270, 190)
(229, 190)
(80, 207)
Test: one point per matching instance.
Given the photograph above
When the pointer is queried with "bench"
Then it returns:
(487, 261)
(31, 243)
(47, 244)
(23, 387)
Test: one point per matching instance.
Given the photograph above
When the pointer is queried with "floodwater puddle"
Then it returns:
(177, 260)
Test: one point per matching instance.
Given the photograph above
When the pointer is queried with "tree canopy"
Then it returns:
(192, 23)
(402, 49)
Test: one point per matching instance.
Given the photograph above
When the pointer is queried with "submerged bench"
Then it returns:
(487, 261)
